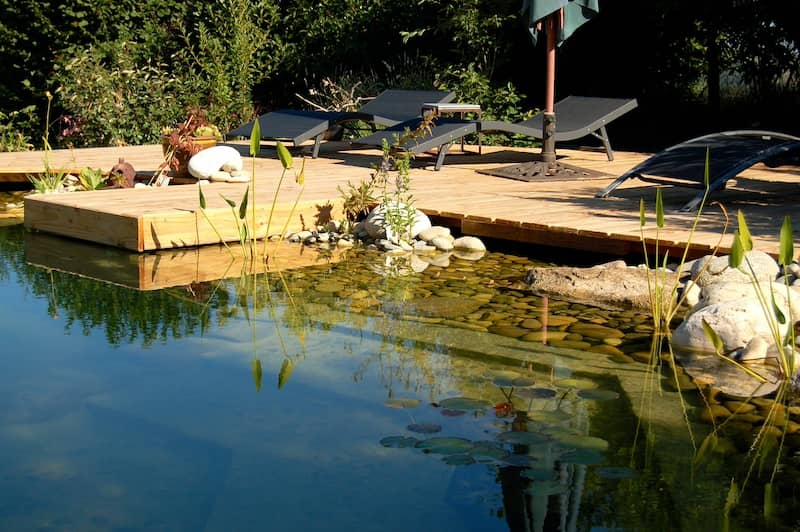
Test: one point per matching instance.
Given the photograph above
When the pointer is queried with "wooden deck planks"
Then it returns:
(563, 213)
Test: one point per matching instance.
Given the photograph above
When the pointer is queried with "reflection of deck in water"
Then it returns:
(165, 268)
(563, 213)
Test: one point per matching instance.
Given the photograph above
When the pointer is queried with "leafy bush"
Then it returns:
(12, 129)
(111, 96)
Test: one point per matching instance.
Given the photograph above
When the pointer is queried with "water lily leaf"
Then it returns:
(598, 395)
(582, 457)
(402, 402)
(522, 437)
(487, 450)
(504, 378)
(458, 459)
(444, 445)
(579, 384)
(424, 428)
(523, 382)
(546, 487)
(536, 393)
(616, 472)
(453, 412)
(519, 460)
(286, 371)
(464, 403)
(538, 473)
(399, 442)
(578, 441)
(549, 416)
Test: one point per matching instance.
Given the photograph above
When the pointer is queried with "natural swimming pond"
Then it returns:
(350, 396)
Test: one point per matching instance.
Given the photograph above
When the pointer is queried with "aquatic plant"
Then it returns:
(50, 180)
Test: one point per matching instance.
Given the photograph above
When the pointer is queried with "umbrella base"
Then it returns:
(543, 171)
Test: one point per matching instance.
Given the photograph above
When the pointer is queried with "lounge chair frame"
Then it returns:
(684, 164)
(298, 127)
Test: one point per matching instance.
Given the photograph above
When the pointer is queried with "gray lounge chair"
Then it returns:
(443, 134)
(576, 117)
(388, 108)
(729, 153)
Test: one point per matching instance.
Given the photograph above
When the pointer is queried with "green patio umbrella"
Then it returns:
(557, 19)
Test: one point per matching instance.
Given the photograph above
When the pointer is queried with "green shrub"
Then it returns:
(13, 126)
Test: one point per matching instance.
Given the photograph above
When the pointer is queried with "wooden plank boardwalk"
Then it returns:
(562, 213)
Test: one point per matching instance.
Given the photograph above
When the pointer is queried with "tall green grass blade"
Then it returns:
(257, 373)
(707, 168)
(706, 448)
(737, 251)
(769, 502)
(730, 503)
(713, 337)
(744, 232)
(286, 371)
(642, 217)
(659, 209)
(776, 309)
(284, 155)
(786, 255)
(202, 197)
(243, 205)
(300, 179)
(231, 203)
(255, 138)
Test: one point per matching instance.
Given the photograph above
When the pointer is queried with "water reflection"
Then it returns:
(335, 398)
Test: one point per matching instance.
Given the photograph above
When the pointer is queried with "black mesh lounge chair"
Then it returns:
(730, 153)
(441, 136)
(388, 108)
(576, 117)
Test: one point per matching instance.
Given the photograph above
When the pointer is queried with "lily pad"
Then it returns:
(616, 473)
(425, 428)
(536, 393)
(591, 443)
(538, 473)
(522, 437)
(582, 457)
(464, 403)
(487, 450)
(504, 378)
(578, 384)
(398, 442)
(598, 395)
(402, 402)
(444, 445)
(547, 487)
(519, 460)
(549, 416)
(523, 382)
(452, 412)
(458, 459)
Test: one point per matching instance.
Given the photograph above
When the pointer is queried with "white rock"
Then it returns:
(240, 177)
(756, 349)
(219, 175)
(717, 270)
(470, 243)
(432, 232)
(442, 243)
(206, 162)
(692, 294)
(376, 226)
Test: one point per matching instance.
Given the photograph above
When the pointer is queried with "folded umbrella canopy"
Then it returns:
(558, 19)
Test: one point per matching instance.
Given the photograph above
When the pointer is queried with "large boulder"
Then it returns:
(208, 162)
(711, 269)
(376, 225)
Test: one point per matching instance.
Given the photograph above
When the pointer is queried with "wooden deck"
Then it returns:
(563, 213)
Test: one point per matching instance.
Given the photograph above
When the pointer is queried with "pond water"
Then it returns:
(349, 396)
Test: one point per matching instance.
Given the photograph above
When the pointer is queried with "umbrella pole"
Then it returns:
(548, 154)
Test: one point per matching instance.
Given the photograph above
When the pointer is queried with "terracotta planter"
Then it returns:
(183, 156)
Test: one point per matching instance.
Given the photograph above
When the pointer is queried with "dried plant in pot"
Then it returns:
(180, 142)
